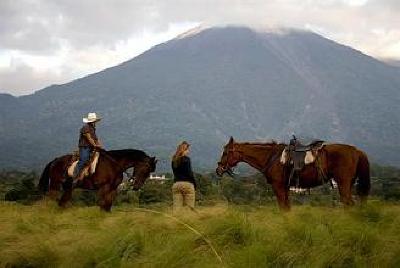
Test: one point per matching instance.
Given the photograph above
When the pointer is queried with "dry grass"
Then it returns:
(45, 236)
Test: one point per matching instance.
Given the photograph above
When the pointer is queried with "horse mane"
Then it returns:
(266, 143)
(131, 153)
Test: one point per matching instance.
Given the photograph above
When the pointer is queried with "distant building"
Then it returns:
(127, 184)
(158, 178)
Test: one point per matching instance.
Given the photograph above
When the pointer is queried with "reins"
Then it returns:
(106, 154)
(270, 162)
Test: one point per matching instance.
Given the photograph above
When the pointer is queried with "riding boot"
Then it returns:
(79, 177)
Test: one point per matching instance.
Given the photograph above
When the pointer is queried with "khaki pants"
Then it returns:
(183, 195)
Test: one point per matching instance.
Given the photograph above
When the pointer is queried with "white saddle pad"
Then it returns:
(91, 170)
(308, 159)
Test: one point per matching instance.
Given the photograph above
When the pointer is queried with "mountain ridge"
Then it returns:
(210, 85)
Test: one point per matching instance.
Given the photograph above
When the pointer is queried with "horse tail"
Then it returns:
(363, 174)
(44, 180)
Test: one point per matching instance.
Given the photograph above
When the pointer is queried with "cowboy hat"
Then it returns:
(91, 117)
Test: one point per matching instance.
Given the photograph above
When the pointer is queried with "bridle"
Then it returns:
(227, 167)
(132, 178)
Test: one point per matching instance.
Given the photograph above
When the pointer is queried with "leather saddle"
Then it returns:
(301, 154)
(89, 168)
(299, 147)
(297, 155)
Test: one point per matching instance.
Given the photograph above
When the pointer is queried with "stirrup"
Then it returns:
(76, 180)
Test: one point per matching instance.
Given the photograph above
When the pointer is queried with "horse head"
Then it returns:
(142, 170)
(229, 159)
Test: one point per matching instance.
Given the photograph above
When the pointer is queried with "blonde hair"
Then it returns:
(180, 151)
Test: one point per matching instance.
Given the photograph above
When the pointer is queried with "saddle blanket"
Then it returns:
(90, 169)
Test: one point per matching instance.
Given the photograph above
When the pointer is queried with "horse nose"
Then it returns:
(135, 188)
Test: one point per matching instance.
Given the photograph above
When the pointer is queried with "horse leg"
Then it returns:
(282, 195)
(53, 194)
(54, 189)
(106, 196)
(67, 194)
(345, 185)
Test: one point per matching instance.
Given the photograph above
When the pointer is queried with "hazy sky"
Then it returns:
(45, 42)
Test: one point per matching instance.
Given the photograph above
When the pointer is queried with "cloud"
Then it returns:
(68, 62)
(27, 79)
(71, 38)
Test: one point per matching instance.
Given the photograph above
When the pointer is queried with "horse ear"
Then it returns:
(231, 140)
(154, 160)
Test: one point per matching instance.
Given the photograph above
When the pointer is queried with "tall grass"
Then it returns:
(45, 236)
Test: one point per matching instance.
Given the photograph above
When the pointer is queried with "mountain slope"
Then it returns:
(208, 86)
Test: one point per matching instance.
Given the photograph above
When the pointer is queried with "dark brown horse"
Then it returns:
(341, 162)
(107, 177)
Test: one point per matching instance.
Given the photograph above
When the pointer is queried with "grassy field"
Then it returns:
(43, 235)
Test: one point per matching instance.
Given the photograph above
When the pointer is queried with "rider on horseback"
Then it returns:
(88, 142)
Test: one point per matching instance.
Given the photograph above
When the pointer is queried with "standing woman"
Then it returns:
(183, 189)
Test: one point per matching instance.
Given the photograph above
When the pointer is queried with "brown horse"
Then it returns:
(340, 162)
(107, 177)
